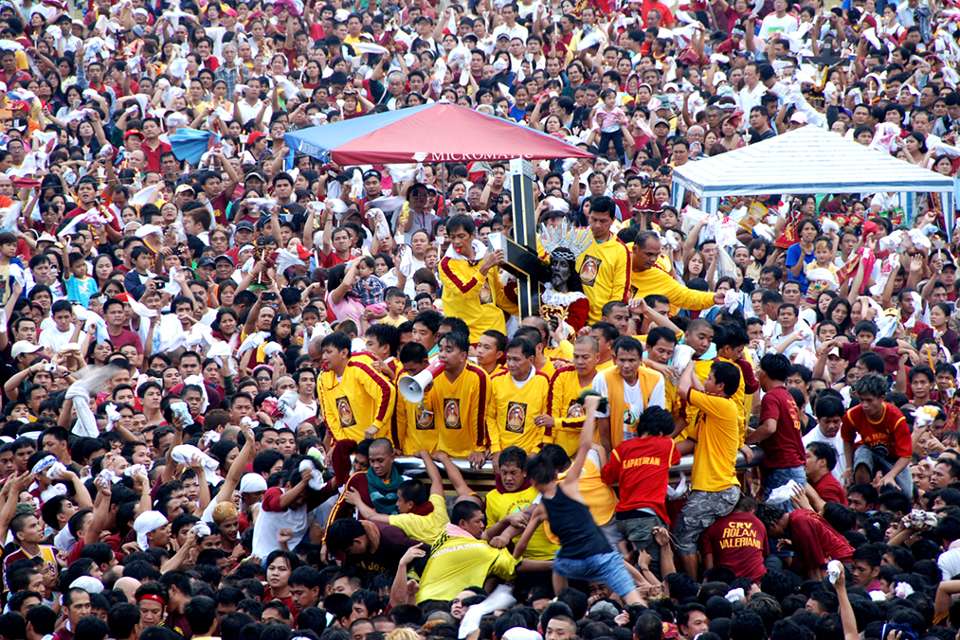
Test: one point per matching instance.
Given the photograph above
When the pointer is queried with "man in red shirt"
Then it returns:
(778, 432)
(641, 467)
(813, 540)
(821, 459)
(885, 446)
(76, 603)
(152, 146)
(737, 541)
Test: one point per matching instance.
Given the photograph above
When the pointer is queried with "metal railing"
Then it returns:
(481, 478)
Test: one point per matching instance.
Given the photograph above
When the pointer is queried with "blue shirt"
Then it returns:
(80, 290)
(794, 253)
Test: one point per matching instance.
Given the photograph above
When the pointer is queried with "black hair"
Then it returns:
(727, 375)
(526, 347)
(386, 335)
(776, 366)
(825, 452)
(655, 421)
(872, 385)
(513, 455)
(628, 343)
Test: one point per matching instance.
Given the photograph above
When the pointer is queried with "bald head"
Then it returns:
(381, 445)
(128, 586)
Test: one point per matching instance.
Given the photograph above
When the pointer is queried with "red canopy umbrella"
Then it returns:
(438, 132)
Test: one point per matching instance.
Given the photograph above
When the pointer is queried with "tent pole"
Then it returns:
(949, 212)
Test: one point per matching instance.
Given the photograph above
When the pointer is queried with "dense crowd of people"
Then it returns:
(738, 425)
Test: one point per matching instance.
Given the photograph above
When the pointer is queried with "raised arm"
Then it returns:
(453, 473)
(436, 480)
(590, 405)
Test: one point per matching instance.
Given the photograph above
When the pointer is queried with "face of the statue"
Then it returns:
(560, 273)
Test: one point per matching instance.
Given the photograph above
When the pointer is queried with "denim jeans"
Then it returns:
(603, 567)
(773, 478)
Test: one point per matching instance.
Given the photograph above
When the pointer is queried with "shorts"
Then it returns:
(639, 531)
(604, 567)
(702, 509)
(865, 456)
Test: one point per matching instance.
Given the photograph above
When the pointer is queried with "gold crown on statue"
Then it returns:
(574, 239)
(553, 312)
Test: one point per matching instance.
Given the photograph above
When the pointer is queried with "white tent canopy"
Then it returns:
(809, 160)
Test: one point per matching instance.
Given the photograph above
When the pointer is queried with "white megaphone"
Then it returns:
(412, 387)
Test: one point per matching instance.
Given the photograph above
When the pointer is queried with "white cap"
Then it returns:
(521, 633)
(148, 229)
(88, 584)
(21, 347)
(252, 483)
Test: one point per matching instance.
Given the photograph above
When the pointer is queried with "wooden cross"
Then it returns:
(520, 251)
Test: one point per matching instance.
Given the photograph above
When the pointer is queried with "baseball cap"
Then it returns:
(205, 262)
(133, 132)
(252, 483)
(184, 187)
(255, 174)
(222, 257)
(245, 225)
(254, 136)
(23, 346)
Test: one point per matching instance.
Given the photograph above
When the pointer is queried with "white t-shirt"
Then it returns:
(633, 397)
(55, 339)
(517, 31)
(750, 98)
(249, 111)
(772, 24)
(806, 342)
(269, 524)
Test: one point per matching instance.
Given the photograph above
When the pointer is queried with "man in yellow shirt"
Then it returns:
(604, 268)
(416, 426)
(490, 350)
(357, 402)
(519, 396)
(469, 276)
(566, 413)
(514, 495)
(460, 559)
(648, 278)
(731, 339)
(715, 489)
(462, 393)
